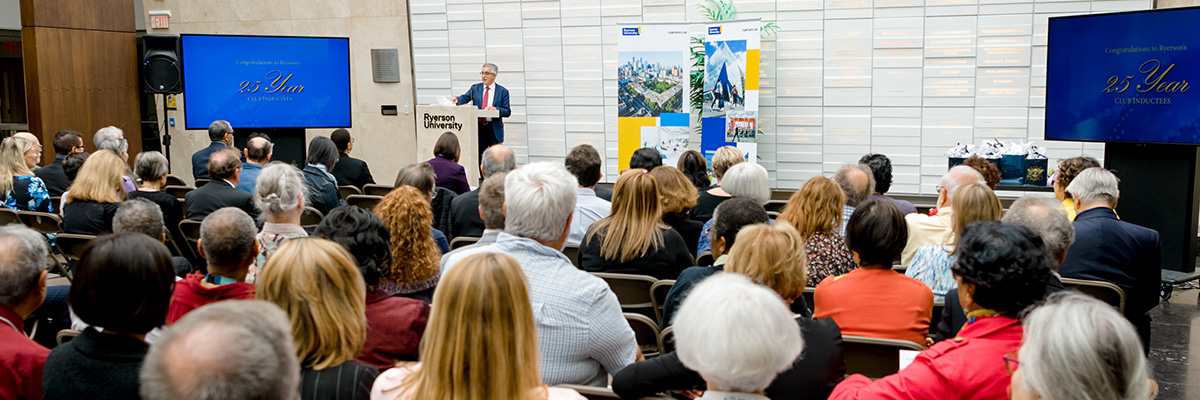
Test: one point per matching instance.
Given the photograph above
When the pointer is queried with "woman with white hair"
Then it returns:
(1077, 347)
(113, 138)
(737, 335)
(279, 194)
(152, 168)
(747, 180)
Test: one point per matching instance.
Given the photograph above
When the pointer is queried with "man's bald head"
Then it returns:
(258, 150)
(1045, 217)
(224, 164)
(28, 136)
(857, 181)
(497, 158)
(955, 177)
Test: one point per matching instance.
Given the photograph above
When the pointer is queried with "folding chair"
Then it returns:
(377, 190)
(658, 297)
(666, 340)
(776, 205)
(938, 308)
(44, 223)
(366, 202)
(173, 180)
(810, 298)
(1101, 290)
(633, 291)
(463, 241)
(773, 214)
(603, 393)
(311, 218)
(71, 245)
(572, 252)
(346, 191)
(201, 182)
(645, 331)
(179, 192)
(705, 259)
(66, 335)
(874, 357)
(9, 216)
(190, 229)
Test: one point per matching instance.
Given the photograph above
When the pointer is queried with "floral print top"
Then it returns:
(269, 239)
(931, 265)
(827, 256)
(28, 194)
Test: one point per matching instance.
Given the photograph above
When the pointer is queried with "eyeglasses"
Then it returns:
(938, 188)
(486, 73)
(1011, 363)
(79, 147)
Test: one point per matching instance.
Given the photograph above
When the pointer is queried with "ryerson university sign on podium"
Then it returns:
(434, 120)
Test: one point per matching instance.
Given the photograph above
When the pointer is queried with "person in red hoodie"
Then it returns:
(22, 289)
(227, 243)
(1001, 270)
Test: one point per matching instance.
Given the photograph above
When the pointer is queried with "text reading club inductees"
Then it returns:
(487, 95)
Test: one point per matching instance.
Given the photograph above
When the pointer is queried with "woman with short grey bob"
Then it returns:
(279, 194)
(1077, 347)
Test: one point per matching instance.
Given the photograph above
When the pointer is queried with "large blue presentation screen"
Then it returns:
(1124, 77)
(266, 81)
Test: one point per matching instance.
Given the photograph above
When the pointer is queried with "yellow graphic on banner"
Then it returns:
(629, 137)
(752, 69)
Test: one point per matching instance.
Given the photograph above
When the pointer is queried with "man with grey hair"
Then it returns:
(539, 200)
(258, 153)
(227, 241)
(142, 216)
(22, 290)
(221, 135)
(1111, 250)
(491, 209)
(488, 95)
(936, 229)
(235, 350)
(464, 209)
(857, 182)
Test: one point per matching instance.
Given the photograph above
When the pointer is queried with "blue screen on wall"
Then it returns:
(1124, 77)
(266, 81)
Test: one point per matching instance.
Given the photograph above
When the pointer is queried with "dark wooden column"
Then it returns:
(81, 69)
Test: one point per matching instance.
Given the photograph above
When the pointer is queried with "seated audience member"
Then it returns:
(422, 177)
(152, 168)
(450, 174)
(22, 190)
(317, 284)
(349, 171)
(693, 166)
(34, 154)
(584, 162)
(816, 212)
(1111, 250)
(66, 142)
(227, 243)
(873, 300)
(258, 152)
(936, 229)
(723, 159)
(857, 182)
(1002, 269)
(416, 258)
(491, 208)
(144, 217)
(932, 262)
(646, 158)
(234, 350)
(539, 199)
(71, 166)
(1045, 217)
(881, 168)
(989, 171)
(483, 318)
(121, 288)
(737, 335)
(748, 181)
(1077, 347)
(729, 218)
(676, 197)
(280, 195)
(221, 191)
(394, 324)
(464, 209)
(634, 240)
(22, 291)
(322, 186)
(113, 138)
(1067, 171)
(94, 197)
(221, 135)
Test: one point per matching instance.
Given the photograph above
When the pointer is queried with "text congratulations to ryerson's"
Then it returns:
(441, 122)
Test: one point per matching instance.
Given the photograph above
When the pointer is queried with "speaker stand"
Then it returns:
(166, 133)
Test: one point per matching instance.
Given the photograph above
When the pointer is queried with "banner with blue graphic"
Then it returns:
(730, 107)
(652, 90)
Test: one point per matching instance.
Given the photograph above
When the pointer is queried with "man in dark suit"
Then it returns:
(464, 209)
(349, 171)
(221, 134)
(66, 142)
(1108, 249)
(221, 191)
(488, 95)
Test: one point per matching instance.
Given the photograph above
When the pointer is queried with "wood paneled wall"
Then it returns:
(81, 69)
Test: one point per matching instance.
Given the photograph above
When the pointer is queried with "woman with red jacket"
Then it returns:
(1001, 270)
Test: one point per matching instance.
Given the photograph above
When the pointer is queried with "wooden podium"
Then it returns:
(434, 120)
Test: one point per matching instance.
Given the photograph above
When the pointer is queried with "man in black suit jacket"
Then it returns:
(221, 191)
(464, 209)
(349, 171)
(221, 135)
(1108, 249)
(65, 142)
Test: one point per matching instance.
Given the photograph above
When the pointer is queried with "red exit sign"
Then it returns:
(10, 46)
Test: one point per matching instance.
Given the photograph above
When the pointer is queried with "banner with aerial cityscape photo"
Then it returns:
(652, 90)
(730, 106)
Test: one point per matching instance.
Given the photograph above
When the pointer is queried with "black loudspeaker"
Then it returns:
(162, 72)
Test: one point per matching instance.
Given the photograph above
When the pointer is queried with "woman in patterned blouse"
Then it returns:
(23, 191)
(931, 263)
(816, 212)
(279, 193)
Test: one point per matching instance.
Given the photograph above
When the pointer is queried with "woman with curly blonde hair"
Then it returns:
(415, 267)
(816, 212)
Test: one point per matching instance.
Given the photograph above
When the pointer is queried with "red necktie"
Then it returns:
(485, 103)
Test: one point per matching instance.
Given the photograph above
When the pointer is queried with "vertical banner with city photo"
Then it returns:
(730, 105)
(652, 90)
